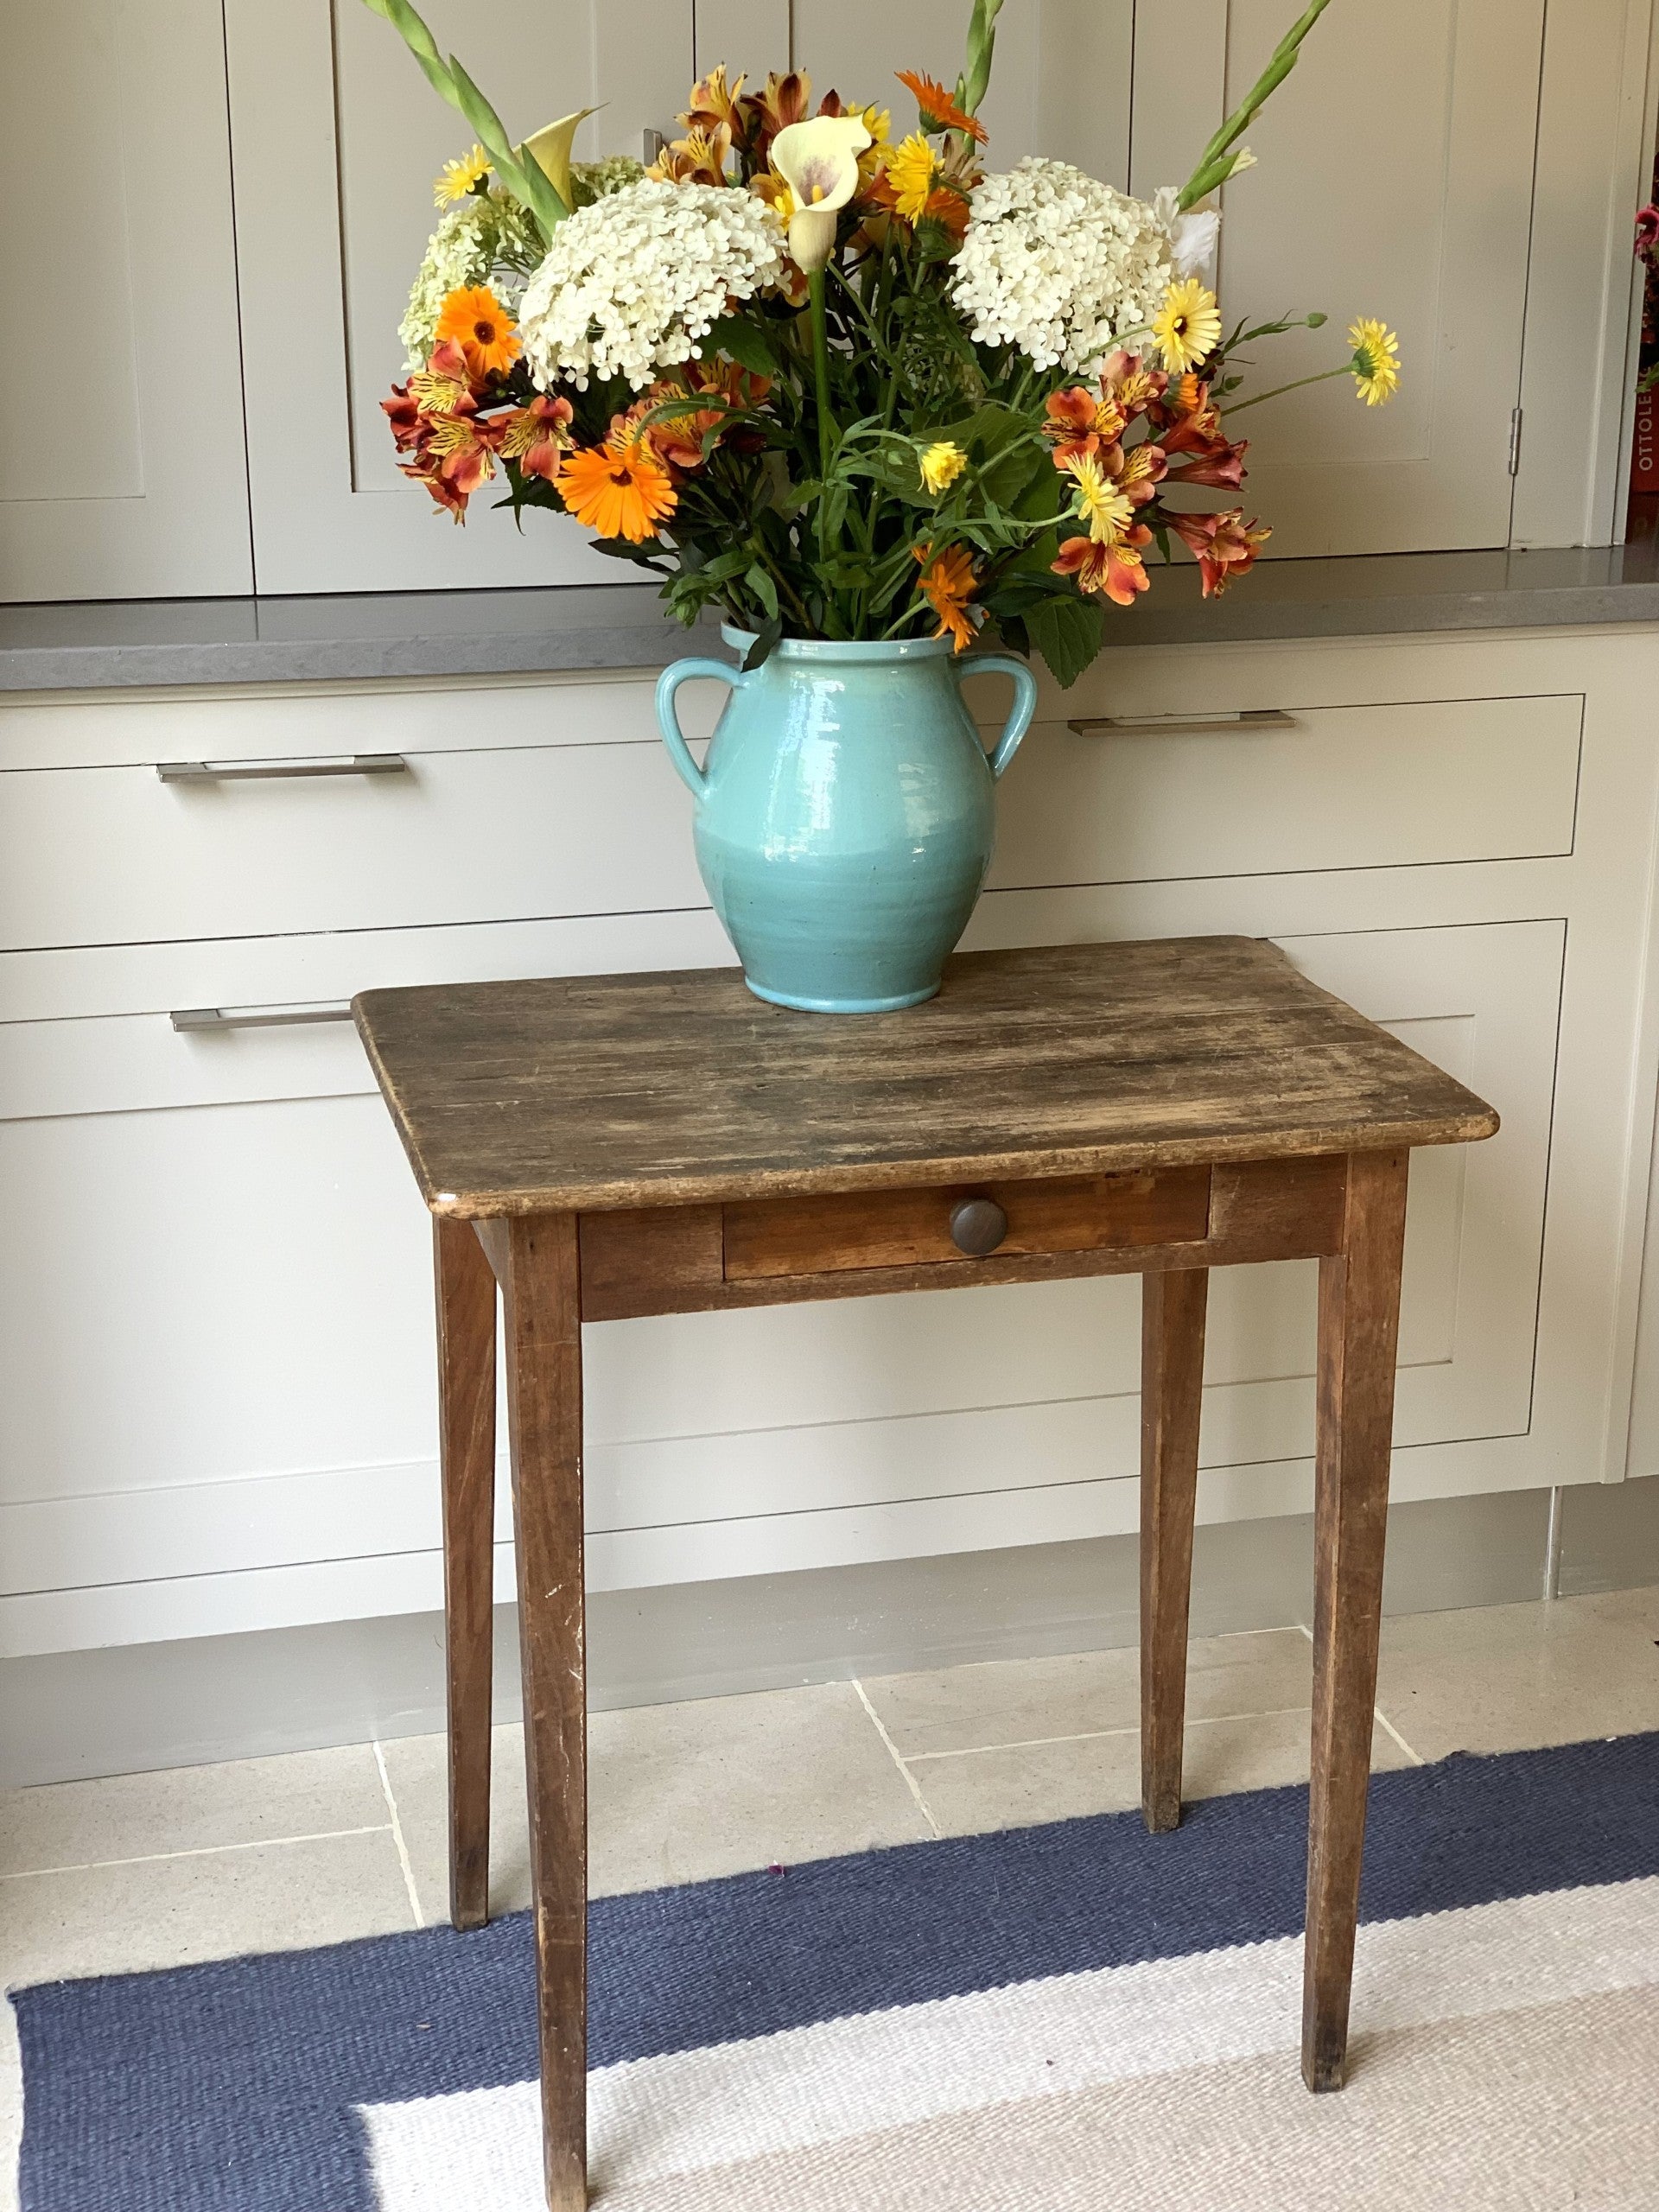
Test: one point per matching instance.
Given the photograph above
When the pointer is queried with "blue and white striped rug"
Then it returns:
(1073, 2016)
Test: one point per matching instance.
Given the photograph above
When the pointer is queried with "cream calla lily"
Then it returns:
(551, 149)
(818, 160)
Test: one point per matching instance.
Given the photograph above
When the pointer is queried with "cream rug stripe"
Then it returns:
(725, 2105)
(1547, 2110)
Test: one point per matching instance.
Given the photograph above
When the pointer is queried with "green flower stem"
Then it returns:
(1256, 398)
(1215, 162)
(821, 374)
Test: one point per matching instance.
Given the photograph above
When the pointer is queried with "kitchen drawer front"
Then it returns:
(92, 1031)
(774, 1237)
(118, 855)
(1406, 784)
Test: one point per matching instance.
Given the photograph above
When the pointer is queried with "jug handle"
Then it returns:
(668, 721)
(1025, 701)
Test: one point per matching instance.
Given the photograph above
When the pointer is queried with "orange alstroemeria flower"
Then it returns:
(1226, 545)
(619, 489)
(713, 102)
(1140, 472)
(698, 158)
(762, 115)
(476, 319)
(537, 435)
(1111, 567)
(947, 584)
(1079, 424)
(938, 110)
(1129, 386)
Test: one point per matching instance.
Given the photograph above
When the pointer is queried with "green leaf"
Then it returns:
(766, 637)
(744, 342)
(760, 582)
(528, 181)
(1068, 631)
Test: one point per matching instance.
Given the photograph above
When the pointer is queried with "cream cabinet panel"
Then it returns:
(115, 178)
(249, 1278)
(1404, 784)
(1059, 84)
(1395, 180)
(748, 38)
(460, 836)
(337, 137)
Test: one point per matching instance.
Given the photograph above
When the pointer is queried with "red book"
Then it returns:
(1644, 456)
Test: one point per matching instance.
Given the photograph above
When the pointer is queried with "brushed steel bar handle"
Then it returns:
(1247, 718)
(261, 771)
(216, 1017)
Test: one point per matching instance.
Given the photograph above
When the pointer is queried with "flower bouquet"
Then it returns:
(869, 401)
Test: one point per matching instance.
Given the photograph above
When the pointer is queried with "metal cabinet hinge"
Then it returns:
(1514, 441)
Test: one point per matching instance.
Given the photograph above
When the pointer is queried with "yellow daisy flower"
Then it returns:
(456, 179)
(1375, 364)
(1107, 510)
(911, 170)
(940, 465)
(1187, 326)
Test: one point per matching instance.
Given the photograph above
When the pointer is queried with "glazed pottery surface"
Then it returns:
(845, 813)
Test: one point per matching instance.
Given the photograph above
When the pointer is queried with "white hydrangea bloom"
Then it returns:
(631, 284)
(1058, 265)
(485, 238)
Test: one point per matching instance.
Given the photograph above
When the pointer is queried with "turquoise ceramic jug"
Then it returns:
(845, 814)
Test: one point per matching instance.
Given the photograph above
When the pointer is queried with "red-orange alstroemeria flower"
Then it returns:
(1226, 545)
(1111, 567)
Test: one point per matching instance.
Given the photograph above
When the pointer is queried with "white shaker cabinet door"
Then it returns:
(337, 137)
(116, 241)
(1394, 180)
(1060, 82)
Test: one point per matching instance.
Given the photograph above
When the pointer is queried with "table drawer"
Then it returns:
(908, 1229)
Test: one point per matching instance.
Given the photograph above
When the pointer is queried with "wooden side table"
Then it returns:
(606, 1147)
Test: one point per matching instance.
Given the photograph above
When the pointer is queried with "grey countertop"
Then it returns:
(119, 644)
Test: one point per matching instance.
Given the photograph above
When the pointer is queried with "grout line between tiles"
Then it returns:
(1098, 1735)
(911, 1782)
(1416, 1758)
(199, 1851)
(397, 1837)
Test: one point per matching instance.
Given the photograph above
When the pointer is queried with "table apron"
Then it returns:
(655, 1260)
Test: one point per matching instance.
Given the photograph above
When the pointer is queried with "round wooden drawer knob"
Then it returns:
(977, 1226)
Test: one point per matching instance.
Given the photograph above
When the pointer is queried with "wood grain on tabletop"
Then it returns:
(665, 1089)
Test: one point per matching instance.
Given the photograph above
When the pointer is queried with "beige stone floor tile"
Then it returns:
(166, 1912)
(1503, 1678)
(679, 1793)
(190, 1809)
(1016, 1786)
(1016, 1701)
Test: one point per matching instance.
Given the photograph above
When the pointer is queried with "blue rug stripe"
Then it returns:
(267, 2055)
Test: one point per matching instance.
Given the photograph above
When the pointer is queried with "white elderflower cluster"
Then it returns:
(485, 238)
(1058, 265)
(631, 284)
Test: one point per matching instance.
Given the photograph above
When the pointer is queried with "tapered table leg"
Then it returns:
(465, 1297)
(1359, 1315)
(1172, 1307)
(542, 1319)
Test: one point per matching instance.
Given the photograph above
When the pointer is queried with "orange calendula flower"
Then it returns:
(476, 319)
(619, 489)
(938, 110)
(535, 436)
(947, 584)
(948, 207)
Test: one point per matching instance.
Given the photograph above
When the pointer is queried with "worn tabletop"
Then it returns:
(592, 1092)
